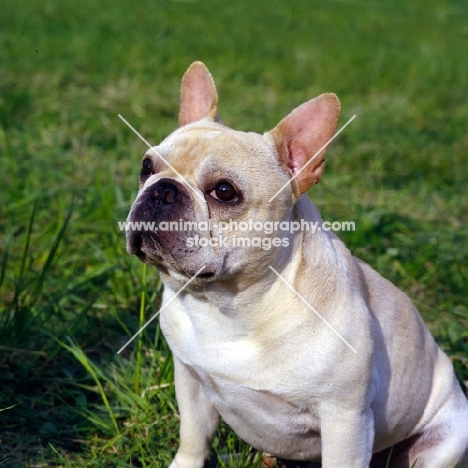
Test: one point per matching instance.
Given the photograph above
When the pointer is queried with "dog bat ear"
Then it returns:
(198, 96)
(301, 138)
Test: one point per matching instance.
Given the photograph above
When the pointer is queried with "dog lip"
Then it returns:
(134, 245)
(141, 256)
(134, 248)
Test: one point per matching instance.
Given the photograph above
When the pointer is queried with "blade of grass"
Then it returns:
(140, 336)
(5, 409)
(25, 255)
(52, 252)
(389, 457)
(5, 259)
(91, 369)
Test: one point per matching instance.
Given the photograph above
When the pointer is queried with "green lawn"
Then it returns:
(71, 296)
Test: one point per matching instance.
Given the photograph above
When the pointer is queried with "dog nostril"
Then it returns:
(170, 196)
(167, 193)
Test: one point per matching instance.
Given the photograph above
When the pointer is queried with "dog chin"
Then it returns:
(202, 272)
(178, 277)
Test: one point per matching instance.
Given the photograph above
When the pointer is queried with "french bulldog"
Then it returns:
(304, 350)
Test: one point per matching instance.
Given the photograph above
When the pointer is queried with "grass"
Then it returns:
(71, 296)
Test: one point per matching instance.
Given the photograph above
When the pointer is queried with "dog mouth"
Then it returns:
(135, 247)
(148, 254)
(206, 275)
(186, 275)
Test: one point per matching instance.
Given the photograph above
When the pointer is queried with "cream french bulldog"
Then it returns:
(305, 351)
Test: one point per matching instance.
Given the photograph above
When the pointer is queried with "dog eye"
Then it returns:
(224, 193)
(147, 168)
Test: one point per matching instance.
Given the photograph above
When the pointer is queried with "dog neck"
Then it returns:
(251, 297)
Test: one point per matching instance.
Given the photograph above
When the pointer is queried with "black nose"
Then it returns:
(165, 200)
(164, 192)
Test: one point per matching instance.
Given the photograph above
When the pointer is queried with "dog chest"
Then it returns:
(270, 419)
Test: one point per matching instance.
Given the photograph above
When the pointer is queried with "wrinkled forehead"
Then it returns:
(196, 141)
(187, 147)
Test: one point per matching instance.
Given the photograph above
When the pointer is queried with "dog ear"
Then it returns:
(198, 96)
(303, 133)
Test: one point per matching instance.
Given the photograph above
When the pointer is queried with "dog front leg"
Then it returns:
(347, 437)
(198, 420)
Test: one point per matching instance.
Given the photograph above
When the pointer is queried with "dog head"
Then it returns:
(205, 179)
